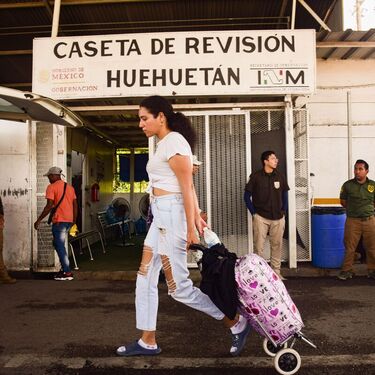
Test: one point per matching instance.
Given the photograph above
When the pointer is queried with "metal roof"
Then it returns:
(348, 44)
(21, 21)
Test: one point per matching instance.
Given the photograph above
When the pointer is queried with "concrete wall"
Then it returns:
(15, 193)
(329, 119)
(17, 182)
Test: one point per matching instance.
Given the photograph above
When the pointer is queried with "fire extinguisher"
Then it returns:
(95, 192)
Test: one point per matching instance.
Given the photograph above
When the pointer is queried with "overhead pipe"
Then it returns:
(317, 18)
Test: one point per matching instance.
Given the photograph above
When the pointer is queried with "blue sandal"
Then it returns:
(134, 349)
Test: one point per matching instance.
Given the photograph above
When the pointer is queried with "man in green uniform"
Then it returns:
(358, 197)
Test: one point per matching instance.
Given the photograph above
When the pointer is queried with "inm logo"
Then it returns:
(281, 77)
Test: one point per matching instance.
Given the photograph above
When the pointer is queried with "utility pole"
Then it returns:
(358, 13)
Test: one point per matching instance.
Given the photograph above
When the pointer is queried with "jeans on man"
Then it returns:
(60, 233)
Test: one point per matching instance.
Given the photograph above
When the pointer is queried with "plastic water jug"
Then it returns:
(210, 237)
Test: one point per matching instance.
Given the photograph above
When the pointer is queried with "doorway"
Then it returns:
(77, 161)
(268, 133)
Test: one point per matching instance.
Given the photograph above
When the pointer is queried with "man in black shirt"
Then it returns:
(4, 277)
(266, 198)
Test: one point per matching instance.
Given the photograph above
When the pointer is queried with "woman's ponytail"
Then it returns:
(181, 124)
(177, 121)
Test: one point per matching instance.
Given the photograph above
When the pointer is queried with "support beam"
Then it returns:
(293, 22)
(99, 2)
(291, 178)
(118, 124)
(14, 116)
(41, 4)
(116, 109)
(56, 18)
(16, 85)
(317, 18)
(102, 134)
(16, 52)
(330, 10)
(133, 132)
(129, 138)
(30, 4)
(132, 140)
(345, 44)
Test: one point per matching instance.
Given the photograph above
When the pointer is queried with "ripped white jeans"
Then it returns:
(165, 246)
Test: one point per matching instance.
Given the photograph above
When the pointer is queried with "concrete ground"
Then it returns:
(50, 327)
(303, 270)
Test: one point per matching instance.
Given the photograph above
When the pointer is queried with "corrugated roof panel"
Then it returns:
(19, 25)
(356, 53)
(346, 52)
(181, 15)
(253, 14)
(15, 69)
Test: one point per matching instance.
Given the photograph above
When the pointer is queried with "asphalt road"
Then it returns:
(57, 328)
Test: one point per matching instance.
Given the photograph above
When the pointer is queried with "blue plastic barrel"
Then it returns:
(328, 224)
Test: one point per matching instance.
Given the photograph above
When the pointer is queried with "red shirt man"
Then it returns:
(64, 217)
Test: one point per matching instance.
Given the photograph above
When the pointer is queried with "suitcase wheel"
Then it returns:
(271, 349)
(287, 361)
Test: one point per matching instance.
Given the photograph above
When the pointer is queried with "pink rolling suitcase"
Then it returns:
(266, 304)
(264, 300)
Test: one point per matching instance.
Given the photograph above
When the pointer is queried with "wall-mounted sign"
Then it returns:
(181, 63)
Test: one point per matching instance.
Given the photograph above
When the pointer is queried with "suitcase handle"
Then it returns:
(197, 246)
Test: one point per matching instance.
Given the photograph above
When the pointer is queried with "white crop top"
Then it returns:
(159, 172)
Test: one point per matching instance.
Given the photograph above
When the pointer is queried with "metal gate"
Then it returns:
(268, 132)
(228, 143)
(222, 147)
(302, 183)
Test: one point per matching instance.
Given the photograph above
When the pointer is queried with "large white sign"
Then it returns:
(182, 63)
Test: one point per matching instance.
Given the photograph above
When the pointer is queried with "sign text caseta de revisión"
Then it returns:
(188, 76)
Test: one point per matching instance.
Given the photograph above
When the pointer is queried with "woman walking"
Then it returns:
(174, 227)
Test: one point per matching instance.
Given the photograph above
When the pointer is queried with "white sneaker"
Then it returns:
(64, 276)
